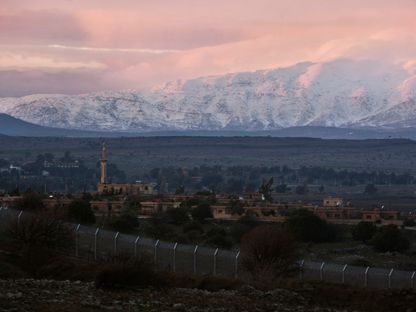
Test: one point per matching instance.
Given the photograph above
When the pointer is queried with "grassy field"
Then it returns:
(138, 155)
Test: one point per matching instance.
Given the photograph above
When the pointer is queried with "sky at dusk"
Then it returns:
(78, 46)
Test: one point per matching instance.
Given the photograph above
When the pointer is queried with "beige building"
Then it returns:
(120, 188)
(107, 207)
(333, 202)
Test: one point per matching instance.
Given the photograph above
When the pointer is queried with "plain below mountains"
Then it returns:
(10, 126)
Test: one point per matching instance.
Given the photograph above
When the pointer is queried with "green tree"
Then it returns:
(202, 212)
(125, 223)
(364, 231)
(308, 227)
(177, 216)
(237, 231)
(79, 210)
(389, 238)
(30, 201)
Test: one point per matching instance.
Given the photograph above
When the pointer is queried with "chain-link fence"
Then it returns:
(96, 244)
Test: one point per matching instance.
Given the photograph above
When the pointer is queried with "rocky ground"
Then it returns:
(45, 295)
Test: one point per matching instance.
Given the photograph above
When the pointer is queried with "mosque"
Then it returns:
(120, 188)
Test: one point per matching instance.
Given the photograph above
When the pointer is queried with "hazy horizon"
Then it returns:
(75, 47)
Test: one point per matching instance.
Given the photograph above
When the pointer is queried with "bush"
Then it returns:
(269, 250)
(30, 201)
(389, 238)
(39, 239)
(409, 222)
(40, 231)
(308, 227)
(126, 272)
(364, 231)
(214, 283)
(177, 216)
(238, 230)
(361, 262)
(202, 212)
(125, 223)
(219, 241)
(80, 211)
(192, 226)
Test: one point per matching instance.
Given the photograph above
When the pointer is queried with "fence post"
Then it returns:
(390, 275)
(195, 253)
(115, 243)
(95, 243)
(19, 216)
(156, 244)
(77, 240)
(174, 257)
(215, 262)
(412, 280)
(236, 264)
(301, 266)
(343, 273)
(321, 271)
(366, 276)
(136, 242)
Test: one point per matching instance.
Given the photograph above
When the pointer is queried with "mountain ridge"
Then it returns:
(12, 127)
(341, 93)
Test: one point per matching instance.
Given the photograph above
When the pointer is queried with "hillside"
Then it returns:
(341, 93)
(10, 126)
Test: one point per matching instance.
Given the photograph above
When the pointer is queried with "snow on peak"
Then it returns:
(337, 93)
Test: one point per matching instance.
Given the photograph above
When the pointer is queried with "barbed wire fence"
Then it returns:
(96, 244)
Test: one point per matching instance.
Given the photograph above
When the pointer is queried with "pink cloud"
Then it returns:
(136, 44)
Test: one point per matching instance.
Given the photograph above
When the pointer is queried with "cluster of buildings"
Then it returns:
(114, 198)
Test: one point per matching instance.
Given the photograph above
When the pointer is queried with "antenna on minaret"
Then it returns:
(103, 164)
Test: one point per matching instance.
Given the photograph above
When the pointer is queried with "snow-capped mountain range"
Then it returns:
(340, 93)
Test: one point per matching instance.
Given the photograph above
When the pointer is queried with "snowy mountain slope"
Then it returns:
(338, 93)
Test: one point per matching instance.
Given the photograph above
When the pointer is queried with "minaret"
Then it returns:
(103, 164)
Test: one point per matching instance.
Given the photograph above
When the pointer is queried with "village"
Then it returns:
(145, 201)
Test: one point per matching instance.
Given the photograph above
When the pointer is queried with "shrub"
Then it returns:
(361, 262)
(80, 211)
(364, 231)
(30, 201)
(40, 231)
(125, 272)
(308, 227)
(219, 241)
(177, 216)
(409, 222)
(389, 238)
(39, 239)
(192, 226)
(237, 231)
(202, 212)
(268, 249)
(212, 283)
(125, 223)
